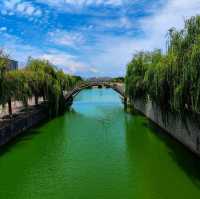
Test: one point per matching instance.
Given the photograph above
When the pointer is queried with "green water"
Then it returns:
(98, 151)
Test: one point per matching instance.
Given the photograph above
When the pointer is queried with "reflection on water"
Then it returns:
(98, 151)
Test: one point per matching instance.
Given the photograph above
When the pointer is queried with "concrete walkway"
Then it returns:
(17, 106)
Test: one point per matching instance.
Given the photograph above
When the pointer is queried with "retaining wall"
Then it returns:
(185, 132)
(16, 126)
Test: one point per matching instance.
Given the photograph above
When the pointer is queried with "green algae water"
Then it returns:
(98, 151)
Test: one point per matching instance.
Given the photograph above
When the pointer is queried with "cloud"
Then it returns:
(112, 54)
(83, 6)
(69, 63)
(114, 51)
(24, 8)
(17, 49)
(173, 14)
(3, 29)
(81, 3)
(117, 23)
(20, 51)
(65, 38)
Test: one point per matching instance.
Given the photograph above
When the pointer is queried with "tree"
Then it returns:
(171, 80)
(3, 70)
(39, 79)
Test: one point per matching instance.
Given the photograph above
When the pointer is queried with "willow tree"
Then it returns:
(39, 79)
(16, 85)
(38, 83)
(3, 70)
(136, 70)
(50, 83)
(171, 80)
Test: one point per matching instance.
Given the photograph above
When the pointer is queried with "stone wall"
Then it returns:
(16, 126)
(185, 132)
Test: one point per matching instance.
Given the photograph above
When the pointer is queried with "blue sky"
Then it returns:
(89, 37)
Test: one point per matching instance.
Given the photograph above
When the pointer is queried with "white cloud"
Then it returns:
(121, 22)
(3, 29)
(25, 8)
(64, 38)
(16, 49)
(65, 4)
(20, 52)
(69, 63)
(38, 13)
(114, 52)
(172, 15)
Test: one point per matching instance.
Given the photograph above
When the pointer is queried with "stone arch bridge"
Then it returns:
(71, 94)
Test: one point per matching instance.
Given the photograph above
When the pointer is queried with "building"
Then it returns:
(12, 64)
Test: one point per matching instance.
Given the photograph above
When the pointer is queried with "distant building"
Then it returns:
(12, 64)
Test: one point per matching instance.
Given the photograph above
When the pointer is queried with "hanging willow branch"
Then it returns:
(171, 80)
(38, 79)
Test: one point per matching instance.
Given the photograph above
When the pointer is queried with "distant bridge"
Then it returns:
(118, 88)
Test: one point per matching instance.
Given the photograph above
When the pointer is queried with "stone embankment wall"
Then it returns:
(22, 122)
(185, 132)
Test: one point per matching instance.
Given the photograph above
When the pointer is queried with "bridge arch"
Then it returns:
(70, 95)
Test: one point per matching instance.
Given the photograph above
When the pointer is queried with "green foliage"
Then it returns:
(16, 86)
(39, 79)
(3, 63)
(77, 78)
(171, 80)
(118, 80)
(3, 69)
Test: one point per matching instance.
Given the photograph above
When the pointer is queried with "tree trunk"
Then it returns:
(10, 107)
(36, 100)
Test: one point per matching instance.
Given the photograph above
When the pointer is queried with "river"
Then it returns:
(98, 151)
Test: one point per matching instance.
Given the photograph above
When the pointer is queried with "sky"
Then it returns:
(91, 38)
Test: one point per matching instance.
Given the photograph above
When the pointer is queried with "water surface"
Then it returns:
(98, 151)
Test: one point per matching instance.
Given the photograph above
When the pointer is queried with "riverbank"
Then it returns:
(186, 132)
(17, 106)
(22, 121)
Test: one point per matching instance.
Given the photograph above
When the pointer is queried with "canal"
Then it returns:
(98, 151)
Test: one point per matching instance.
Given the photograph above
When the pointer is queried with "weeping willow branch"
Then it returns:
(171, 80)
